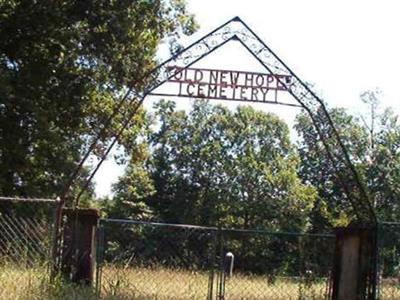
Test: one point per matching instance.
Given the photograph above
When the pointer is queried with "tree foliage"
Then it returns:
(238, 168)
(316, 168)
(372, 141)
(212, 166)
(63, 65)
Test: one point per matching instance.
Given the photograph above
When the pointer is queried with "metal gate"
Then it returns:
(144, 260)
(274, 265)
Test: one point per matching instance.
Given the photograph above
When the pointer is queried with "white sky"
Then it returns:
(343, 47)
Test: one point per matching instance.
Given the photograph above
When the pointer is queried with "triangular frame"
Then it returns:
(236, 29)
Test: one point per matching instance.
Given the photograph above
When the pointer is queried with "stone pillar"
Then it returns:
(79, 247)
(354, 263)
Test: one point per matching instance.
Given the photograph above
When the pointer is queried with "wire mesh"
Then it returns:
(389, 260)
(26, 239)
(141, 260)
(273, 265)
(155, 261)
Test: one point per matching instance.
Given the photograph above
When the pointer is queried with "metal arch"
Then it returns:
(349, 178)
(236, 29)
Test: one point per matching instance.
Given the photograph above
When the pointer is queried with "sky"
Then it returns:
(342, 47)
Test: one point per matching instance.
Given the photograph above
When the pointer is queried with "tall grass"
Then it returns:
(167, 284)
(153, 283)
(22, 283)
(119, 283)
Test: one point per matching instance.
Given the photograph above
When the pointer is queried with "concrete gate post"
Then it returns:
(79, 244)
(354, 264)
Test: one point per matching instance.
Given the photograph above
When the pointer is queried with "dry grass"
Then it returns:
(390, 289)
(165, 284)
(160, 284)
(19, 283)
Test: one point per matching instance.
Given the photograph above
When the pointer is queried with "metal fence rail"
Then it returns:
(155, 261)
(143, 260)
(26, 239)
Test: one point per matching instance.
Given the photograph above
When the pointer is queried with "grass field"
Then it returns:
(162, 284)
(18, 283)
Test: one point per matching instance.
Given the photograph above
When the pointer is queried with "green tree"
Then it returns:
(381, 165)
(383, 168)
(133, 189)
(238, 169)
(373, 141)
(332, 206)
(63, 66)
(214, 166)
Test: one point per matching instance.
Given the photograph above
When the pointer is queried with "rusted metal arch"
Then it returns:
(236, 30)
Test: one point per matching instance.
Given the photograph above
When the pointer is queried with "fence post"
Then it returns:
(354, 275)
(79, 249)
(99, 256)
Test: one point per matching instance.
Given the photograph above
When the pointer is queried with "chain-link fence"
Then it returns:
(26, 240)
(139, 260)
(389, 260)
(155, 261)
(277, 265)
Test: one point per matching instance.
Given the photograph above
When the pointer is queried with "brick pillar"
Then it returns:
(79, 247)
(353, 273)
